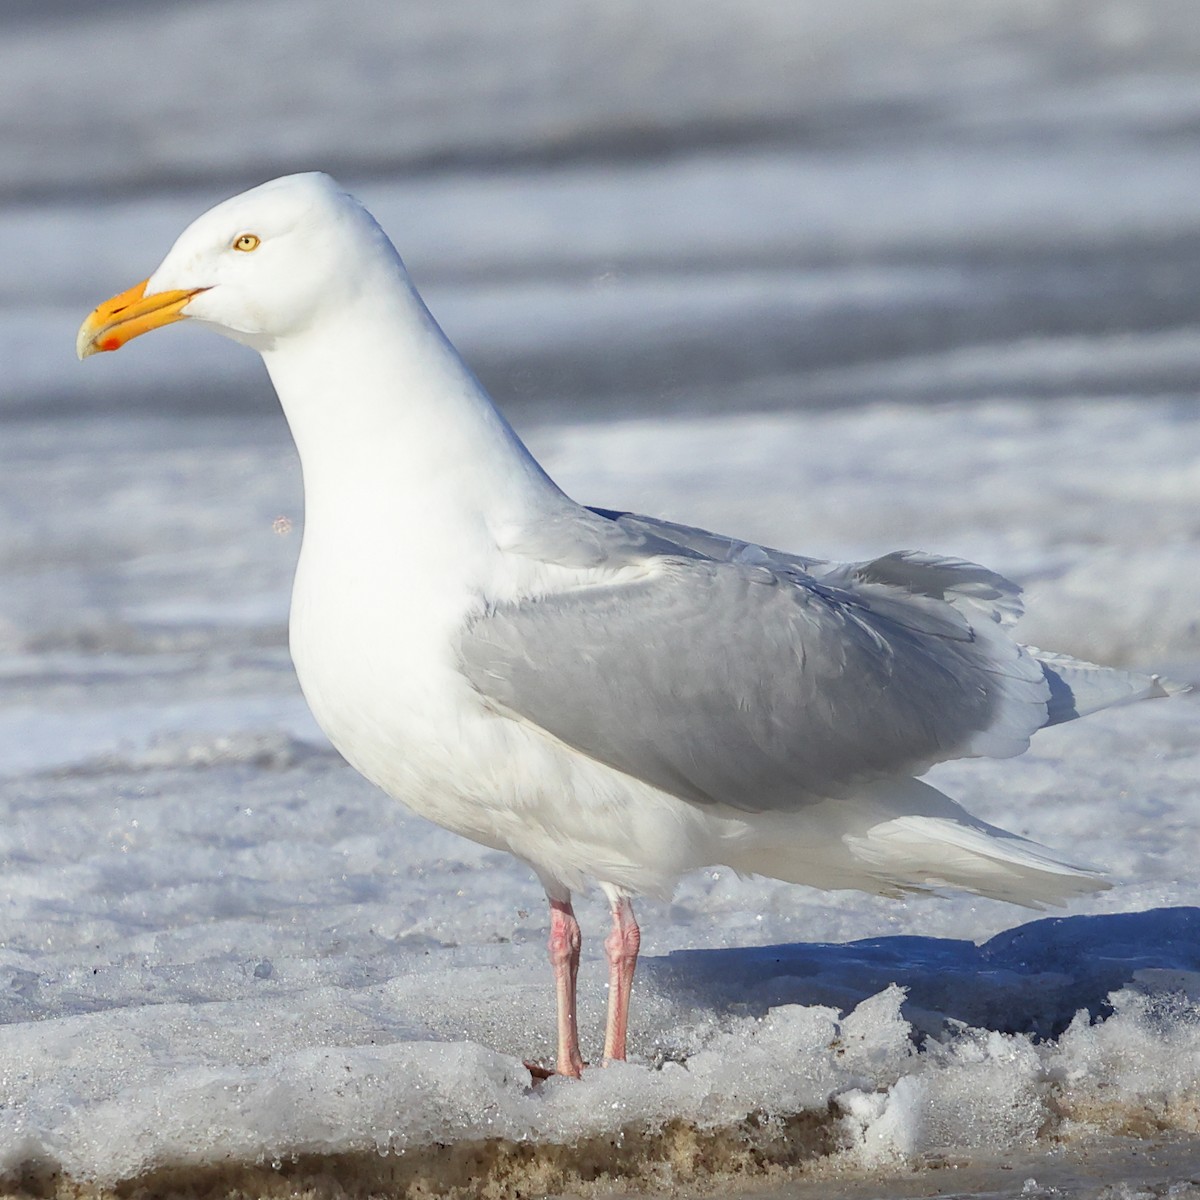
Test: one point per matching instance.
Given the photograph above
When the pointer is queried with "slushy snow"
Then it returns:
(221, 944)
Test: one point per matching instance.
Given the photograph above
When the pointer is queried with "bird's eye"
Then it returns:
(247, 242)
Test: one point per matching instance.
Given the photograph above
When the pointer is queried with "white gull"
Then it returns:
(607, 696)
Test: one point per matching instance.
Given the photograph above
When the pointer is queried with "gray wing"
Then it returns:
(667, 536)
(726, 675)
(964, 585)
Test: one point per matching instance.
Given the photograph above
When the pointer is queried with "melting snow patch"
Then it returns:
(110, 1097)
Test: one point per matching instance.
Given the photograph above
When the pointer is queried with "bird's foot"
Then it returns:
(540, 1073)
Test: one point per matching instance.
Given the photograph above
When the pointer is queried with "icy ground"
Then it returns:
(220, 944)
(673, 239)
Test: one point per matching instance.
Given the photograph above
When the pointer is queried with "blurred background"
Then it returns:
(841, 277)
(632, 204)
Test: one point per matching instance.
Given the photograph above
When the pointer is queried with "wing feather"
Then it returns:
(752, 684)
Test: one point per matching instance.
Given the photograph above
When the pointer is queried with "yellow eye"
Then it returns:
(247, 242)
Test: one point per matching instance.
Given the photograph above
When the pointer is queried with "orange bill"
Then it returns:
(129, 315)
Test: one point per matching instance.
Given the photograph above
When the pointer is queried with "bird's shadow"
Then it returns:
(1032, 979)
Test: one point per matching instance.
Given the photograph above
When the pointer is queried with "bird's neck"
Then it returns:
(392, 426)
(412, 484)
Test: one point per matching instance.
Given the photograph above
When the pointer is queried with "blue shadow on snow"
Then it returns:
(1032, 979)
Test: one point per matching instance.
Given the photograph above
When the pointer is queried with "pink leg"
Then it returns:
(564, 958)
(622, 948)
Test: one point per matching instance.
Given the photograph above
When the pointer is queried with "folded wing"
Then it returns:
(750, 683)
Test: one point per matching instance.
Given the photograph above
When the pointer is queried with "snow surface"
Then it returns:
(219, 942)
(900, 281)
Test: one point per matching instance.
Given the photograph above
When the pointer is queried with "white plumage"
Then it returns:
(608, 697)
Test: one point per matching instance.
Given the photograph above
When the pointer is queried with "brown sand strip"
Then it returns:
(678, 1154)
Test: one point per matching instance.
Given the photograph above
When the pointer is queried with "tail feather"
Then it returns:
(903, 835)
(1078, 688)
(930, 853)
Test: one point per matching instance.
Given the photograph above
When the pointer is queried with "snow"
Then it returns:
(937, 291)
(220, 943)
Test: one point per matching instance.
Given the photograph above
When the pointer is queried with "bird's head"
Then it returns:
(258, 267)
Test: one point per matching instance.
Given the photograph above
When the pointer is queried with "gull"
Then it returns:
(608, 697)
